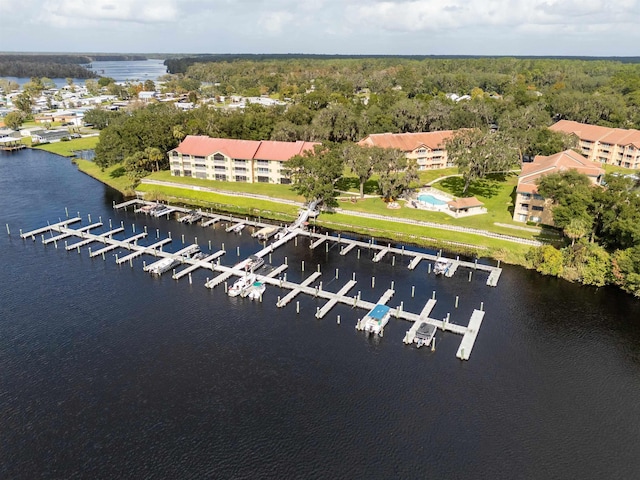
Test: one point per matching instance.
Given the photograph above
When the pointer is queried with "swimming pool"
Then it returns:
(430, 199)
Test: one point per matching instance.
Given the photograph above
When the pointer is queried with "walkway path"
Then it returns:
(407, 221)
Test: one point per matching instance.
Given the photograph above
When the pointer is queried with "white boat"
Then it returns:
(164, 265)
(375, 320)
(265, 233)
(238, 228)
(256, 290)
(241, 284)
(441, 265)
(254, 263)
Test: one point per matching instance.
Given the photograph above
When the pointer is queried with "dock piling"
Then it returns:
(190, 281)
(8, 231)
(482, 306)
(318, 268)
(226, 287)
(338, 320)
(209, 245)
(66, 211)
(183, 238)
(429, 268)
(413, 291)
(110, 226)
(89, 217)
(358, 254)
(270, 257)
(145, 229)
(353, 276)
(285, 261)
(297, 306)
(195, 240)
(295, 241)
(393, 284)
(393, 261)
(222, 246)
(78, 250)
(303, 265)
(457, 298)
(122, 224)
(133, 227)
(336, 273)
(470, 273)
(169, 235)
(373, 282)
(433, 295)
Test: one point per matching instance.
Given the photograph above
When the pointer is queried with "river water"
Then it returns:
(107, 372)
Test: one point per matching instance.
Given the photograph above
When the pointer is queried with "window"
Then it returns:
(221, 177)
(536, 219)
(198, 157)
(285, 181)
(187, 173)
(241, 169)
(263, 162)
(525, 206)
(239, 162)
(219, 157)
(421, 150)
(219, 168)
(241, 178)
(263, 170)
(201, 175)
(263, 179)
(538, 197)
(176, 173)
(537, 208)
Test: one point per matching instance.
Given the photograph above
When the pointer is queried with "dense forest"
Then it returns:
(54, 65)
(506, 107)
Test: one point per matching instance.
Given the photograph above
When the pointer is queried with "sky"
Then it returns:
(409, 27)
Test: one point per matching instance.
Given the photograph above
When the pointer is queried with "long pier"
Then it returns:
(274, 278)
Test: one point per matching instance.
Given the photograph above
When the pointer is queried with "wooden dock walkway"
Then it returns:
(151, 249)
(414, 263)
(380, 255)
(62, 236)
(53, 227)
(469, 337)
(89, 238)
(113, 246)
(333, 301)
(318, 242)
(211, 221)
(196, 264)
(347, 249)
(295, 291)
(273, 277)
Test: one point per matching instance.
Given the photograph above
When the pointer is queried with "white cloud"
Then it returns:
(274, 22)
(73, 12)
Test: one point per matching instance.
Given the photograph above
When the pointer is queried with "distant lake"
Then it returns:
(136, 71)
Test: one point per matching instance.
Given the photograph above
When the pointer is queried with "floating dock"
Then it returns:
(423, 326)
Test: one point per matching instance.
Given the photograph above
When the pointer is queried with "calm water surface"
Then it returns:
(107, 372)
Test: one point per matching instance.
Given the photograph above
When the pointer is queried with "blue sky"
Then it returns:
(438, 27)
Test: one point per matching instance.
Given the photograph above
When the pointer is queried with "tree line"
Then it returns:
(603, 225)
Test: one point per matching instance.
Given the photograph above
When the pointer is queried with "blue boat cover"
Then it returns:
(378, 312)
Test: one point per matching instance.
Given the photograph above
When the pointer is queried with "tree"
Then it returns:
(478, 152)
(24, 103)
(395, 170)
(14, 120)
(546, 260)
(361, 161)
(572, 195)
(315, 172)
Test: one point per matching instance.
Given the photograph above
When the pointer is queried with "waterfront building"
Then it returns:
(426, 148)
(613, 146)
(231, 160)
(530, 206)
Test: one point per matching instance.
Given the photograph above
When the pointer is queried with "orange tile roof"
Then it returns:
(272, 150)
(202, 146)
(541, 165)
(465, 203)
(408, 142)
(595, 133)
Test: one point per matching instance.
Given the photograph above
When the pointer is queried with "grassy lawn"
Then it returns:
(271, 190)
(507, 251)
(66, 149)
(113, 176)
(615, 169)
(495, 192)
(220, 201)
(428, 176)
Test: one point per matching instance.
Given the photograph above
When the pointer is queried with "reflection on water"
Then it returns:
(107, 370)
